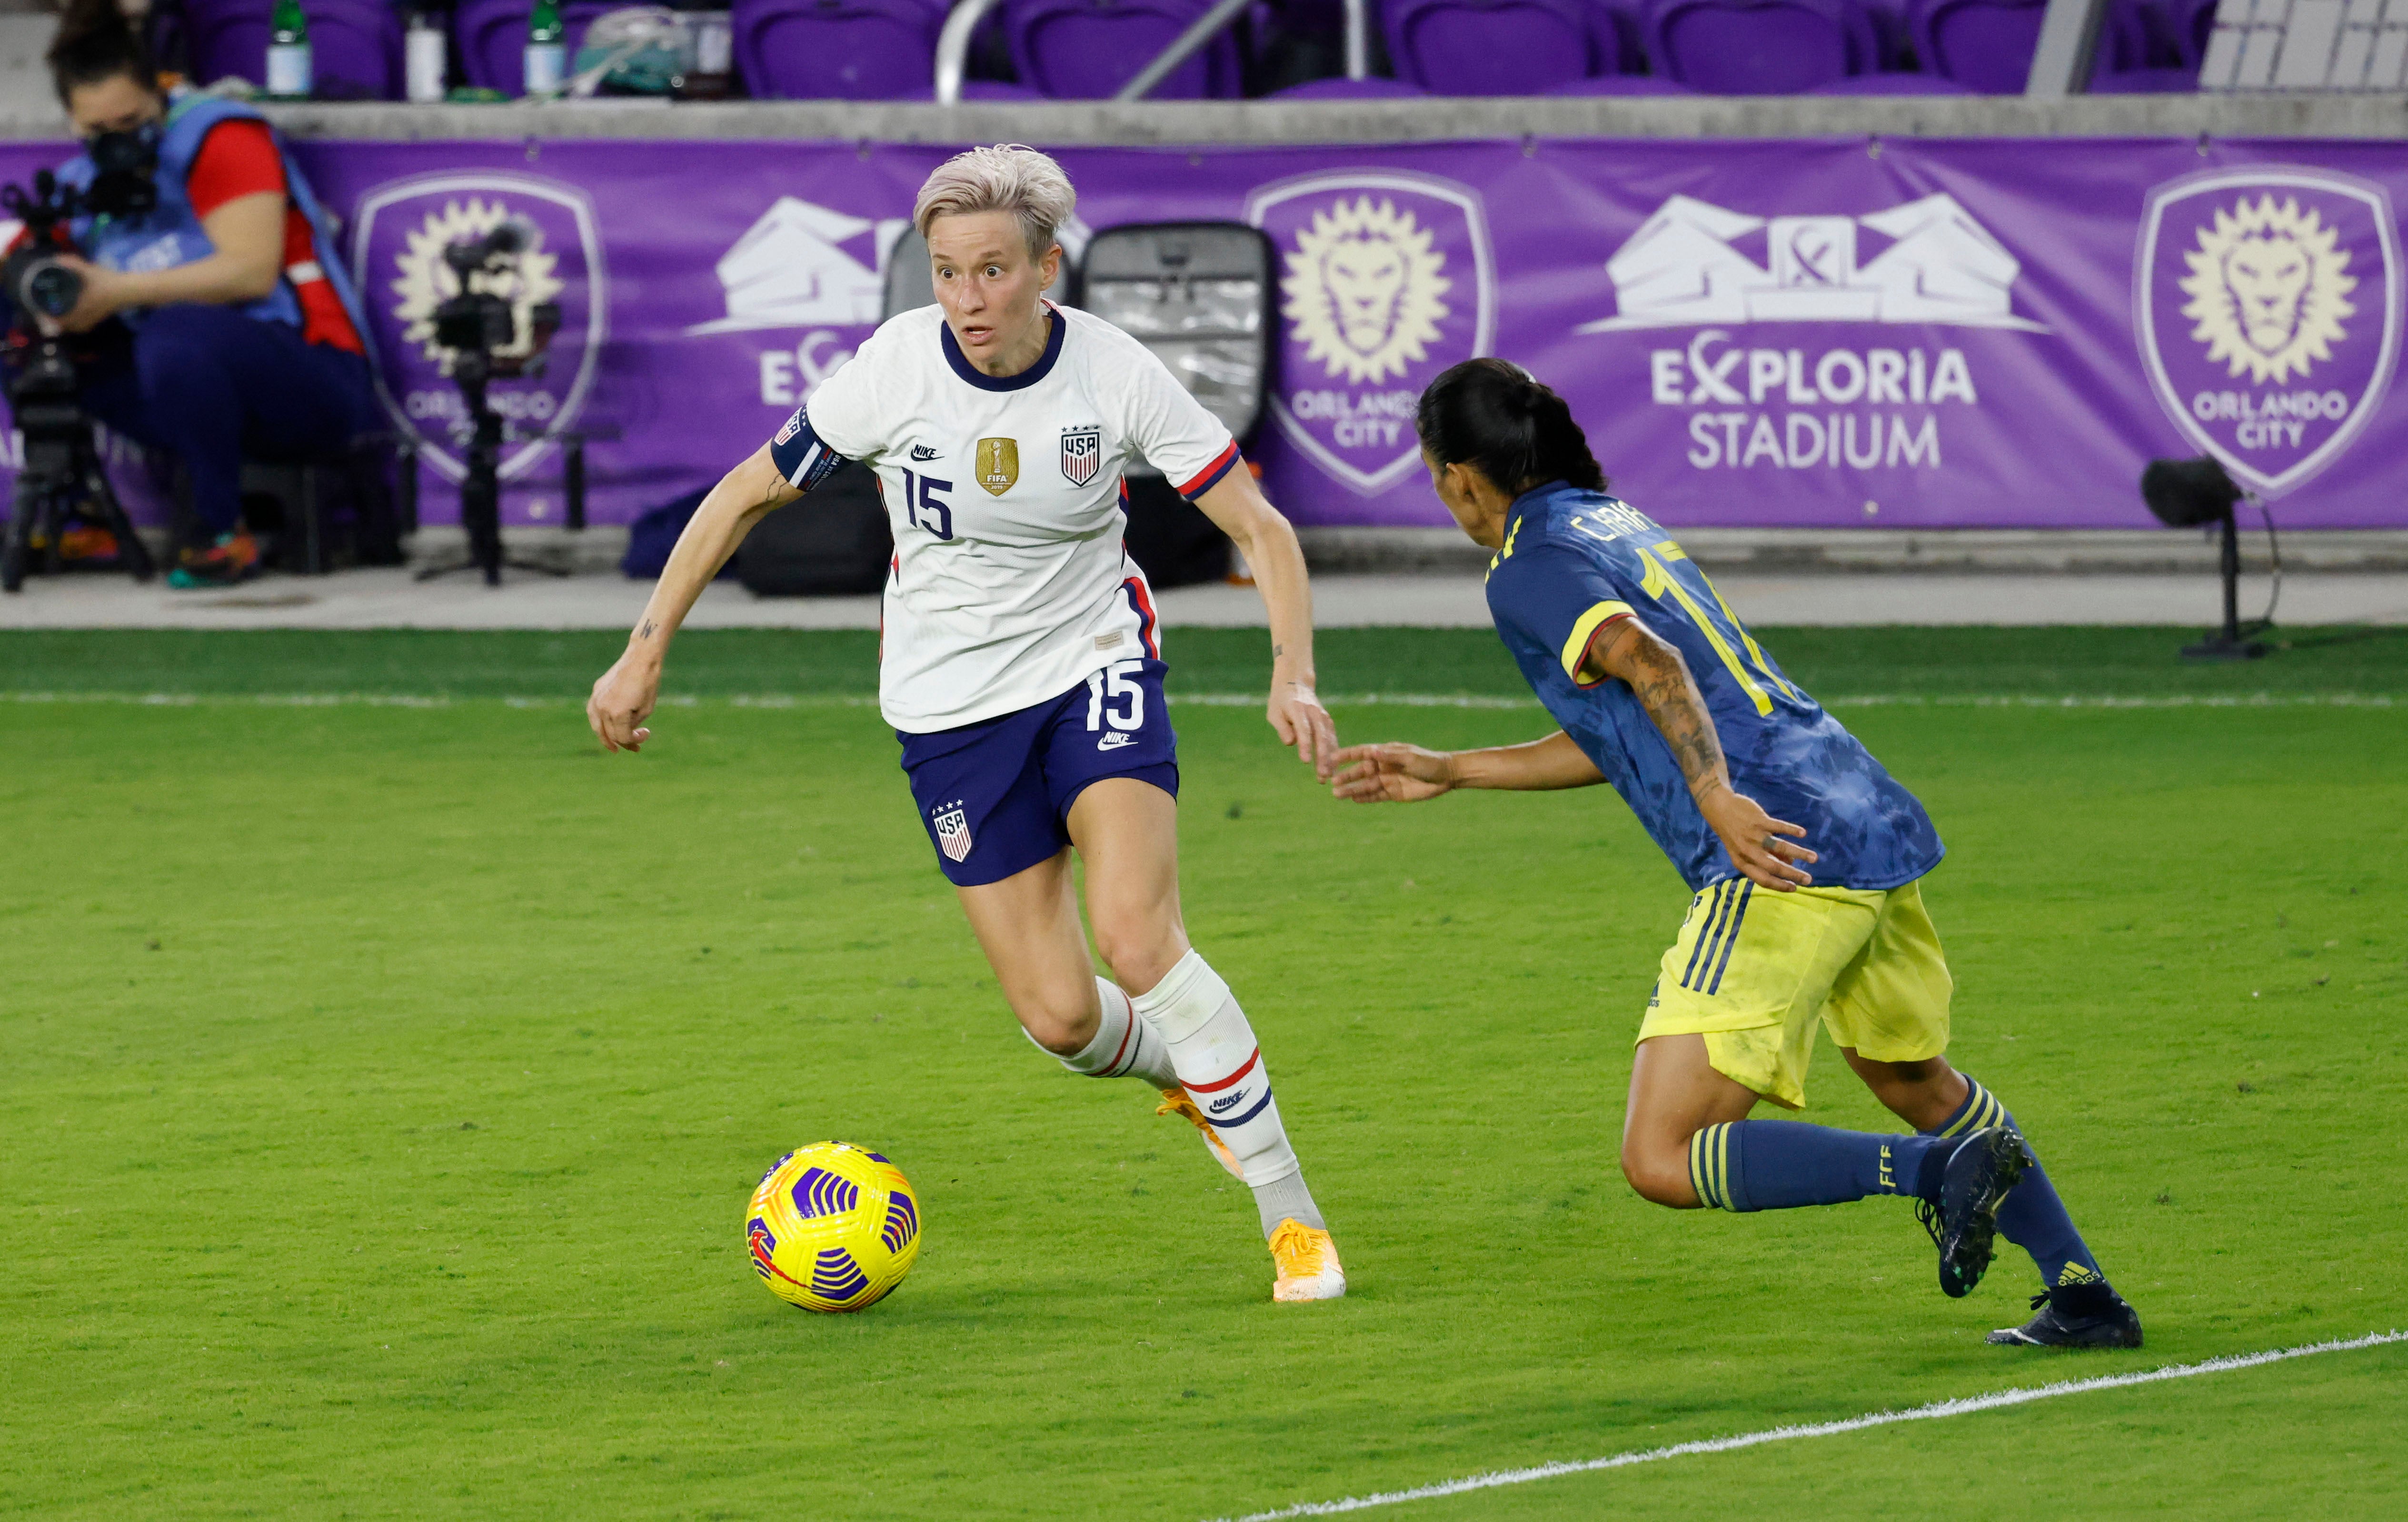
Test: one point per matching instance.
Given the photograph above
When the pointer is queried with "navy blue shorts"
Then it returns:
(995, 796)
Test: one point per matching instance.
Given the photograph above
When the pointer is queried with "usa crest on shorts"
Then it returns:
(952, 829)
(1082, 452)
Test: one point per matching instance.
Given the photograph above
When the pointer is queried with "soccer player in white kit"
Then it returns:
(1022, 666)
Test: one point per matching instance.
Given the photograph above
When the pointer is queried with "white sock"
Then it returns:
(1220, 1064)
(1124, 1047)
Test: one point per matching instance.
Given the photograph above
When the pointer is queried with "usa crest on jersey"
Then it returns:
(1082, 451)
(954, 834)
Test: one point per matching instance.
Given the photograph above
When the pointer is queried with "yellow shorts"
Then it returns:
(1753, 969)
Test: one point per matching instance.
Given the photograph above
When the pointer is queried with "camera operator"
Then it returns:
(245, 336)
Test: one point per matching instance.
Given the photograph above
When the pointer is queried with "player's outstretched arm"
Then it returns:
(1238, 508)
(1406, 773)
(1629, 652)
(624, 696)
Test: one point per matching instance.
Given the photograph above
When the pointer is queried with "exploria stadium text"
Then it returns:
(1730, 383)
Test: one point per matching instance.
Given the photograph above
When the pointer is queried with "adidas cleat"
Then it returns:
(1308, 1263)
(1175, 1102)
(2075, 1315)
(1964, 1224)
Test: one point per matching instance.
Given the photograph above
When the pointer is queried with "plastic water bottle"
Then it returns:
(288, 52)
(427, 51)
(547, 50)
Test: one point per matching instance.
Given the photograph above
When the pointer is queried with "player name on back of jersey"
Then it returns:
(1616, 519)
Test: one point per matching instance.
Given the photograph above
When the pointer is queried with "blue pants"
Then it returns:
(995, 795)
(212, 386)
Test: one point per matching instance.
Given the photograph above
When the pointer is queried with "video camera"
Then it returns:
(62, 479)
(483, 329)
(33, 277)
(481, 321)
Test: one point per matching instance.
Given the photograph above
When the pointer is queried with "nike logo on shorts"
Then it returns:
(921, 451)
(1114, 741)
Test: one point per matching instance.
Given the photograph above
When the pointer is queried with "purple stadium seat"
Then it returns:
(1893, 46)
(2129, 40)
(1489, 46)
(1986, 45)
(491, 37)
(2187, 23)
(1374, 89)
(837, 49)
(1621, 84)
(1759, 47)
(1618, 31)
(2175, 81)
(354, 45)
(1087, 50)
(1890, 84)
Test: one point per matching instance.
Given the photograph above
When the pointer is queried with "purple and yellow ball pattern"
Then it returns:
(833, 1226)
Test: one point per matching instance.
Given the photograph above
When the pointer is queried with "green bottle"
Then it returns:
(288, 52)
(547, 50)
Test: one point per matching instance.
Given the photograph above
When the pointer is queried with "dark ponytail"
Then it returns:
(1491, 415)
(96, 43)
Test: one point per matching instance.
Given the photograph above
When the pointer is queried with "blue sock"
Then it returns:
(2031, 1217)
(1776, 1164)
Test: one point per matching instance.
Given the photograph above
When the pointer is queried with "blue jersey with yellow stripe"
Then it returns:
(1573, 561)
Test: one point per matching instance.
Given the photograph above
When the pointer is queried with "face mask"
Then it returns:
(124, 167)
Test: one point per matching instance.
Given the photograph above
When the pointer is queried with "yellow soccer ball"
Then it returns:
(833, 1226)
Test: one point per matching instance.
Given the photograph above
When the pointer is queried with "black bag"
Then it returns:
(1170, 537)
(835, 542)
(653, 535)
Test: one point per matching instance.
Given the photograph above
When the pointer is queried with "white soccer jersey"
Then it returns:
(1010, 583)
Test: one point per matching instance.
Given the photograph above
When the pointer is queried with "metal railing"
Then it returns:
(2068, 46)
(962, 23)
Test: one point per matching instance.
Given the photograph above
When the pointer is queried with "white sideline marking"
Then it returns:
(1959, 1407)
(1201, 700)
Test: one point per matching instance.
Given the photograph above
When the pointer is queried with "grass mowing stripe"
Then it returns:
(1215, 700)
(1962, 1406)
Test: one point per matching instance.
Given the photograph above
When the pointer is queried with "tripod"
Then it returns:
(2232, 642)
(61, 475)
(480, 487)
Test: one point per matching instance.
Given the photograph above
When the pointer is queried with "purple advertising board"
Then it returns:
(1810, 333)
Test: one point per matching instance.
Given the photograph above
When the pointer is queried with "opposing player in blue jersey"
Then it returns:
(1746, 783)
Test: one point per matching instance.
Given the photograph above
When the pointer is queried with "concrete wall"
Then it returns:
(1213, 123)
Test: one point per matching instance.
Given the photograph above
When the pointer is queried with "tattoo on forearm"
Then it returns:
(1278, 650)
(1664, 689)
(646, 632)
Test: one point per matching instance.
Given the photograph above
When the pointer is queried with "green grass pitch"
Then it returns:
(382, 1083)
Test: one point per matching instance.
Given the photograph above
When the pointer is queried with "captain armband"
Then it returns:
(799, 455)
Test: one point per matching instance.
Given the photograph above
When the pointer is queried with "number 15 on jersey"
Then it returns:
(922, 509)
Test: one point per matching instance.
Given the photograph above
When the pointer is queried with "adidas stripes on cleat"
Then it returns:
(1308, 1263)
(2075, 1315)
(1964, 1222)
(1175, 1102)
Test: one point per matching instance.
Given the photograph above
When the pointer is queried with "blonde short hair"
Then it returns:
(1005, 177)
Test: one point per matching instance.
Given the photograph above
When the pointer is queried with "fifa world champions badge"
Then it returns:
(2267, 304)
(998, 464)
